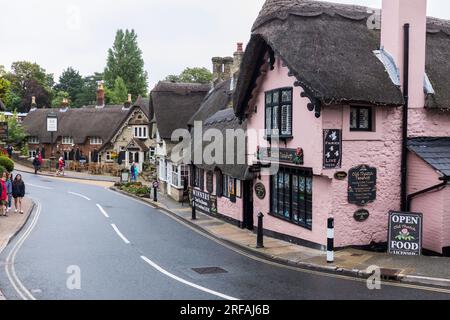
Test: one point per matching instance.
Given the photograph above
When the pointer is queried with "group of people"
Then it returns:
(11, 188)
(37, 163)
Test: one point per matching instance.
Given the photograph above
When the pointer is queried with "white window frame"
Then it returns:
(140, 132)
(108, 156)
(67, 140)
(33, 140)
(32, 153)
(96, 140)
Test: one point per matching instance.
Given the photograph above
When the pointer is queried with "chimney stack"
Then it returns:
(395, 15)
(217, 70)
(237, 57)
(33, 102)
(65, 102)
(128, 102)
(227, 68)
(100, 95)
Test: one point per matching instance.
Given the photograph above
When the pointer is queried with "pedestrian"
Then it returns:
(133, 172)
(136, 172)
(10, 151)
(18, 193)
(61, 165)
(36, 165)
(4, 194)
(9, 191)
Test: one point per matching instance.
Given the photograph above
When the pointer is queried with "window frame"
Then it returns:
(288, 202)
(67, 140)
(199, 177)
(96, 141)
(269, 132)
(33, 140)
(358, 118)
(140, 132)
(237, 187)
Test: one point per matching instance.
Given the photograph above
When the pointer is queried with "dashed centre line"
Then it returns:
(120, 234)
(102, 211)
(79, 195)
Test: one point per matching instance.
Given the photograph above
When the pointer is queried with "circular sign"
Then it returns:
(260, 190)
(341, 175)
(361, 215)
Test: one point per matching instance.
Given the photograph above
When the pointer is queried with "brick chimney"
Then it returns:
(65, 103)
(100, 95)
(395, 14)
(217, 70)
(128, 102)
(237, 57)
(227, 67)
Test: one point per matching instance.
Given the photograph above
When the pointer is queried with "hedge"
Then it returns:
(2, 169)
(7, 163)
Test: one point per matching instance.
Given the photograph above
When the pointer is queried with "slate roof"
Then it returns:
(329, 48)
(174, 105)
(434, 151)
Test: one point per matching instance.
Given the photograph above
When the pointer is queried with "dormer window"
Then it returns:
(67, 140)
(96, 141)
(361, 119)
(33, 140)
(279, 113)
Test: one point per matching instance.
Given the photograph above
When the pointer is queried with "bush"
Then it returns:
(7, 163)
(2, 169)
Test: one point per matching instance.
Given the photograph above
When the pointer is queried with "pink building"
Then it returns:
(323, 96)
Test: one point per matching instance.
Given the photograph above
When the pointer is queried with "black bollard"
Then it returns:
(194, 213)
(260, 236)
(155, 194)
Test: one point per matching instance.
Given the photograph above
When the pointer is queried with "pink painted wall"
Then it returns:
(381, 149)
(431, 205)
(429, 123)
(395, 14)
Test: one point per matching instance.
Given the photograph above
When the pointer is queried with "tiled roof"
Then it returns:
(434, 151)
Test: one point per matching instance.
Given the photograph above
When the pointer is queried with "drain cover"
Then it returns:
(209, 270)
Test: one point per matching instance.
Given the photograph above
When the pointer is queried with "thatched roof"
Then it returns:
(79, 123)
(174, 104)
(329, 48)
(225, 120)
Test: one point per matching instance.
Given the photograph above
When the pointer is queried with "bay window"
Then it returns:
(291, 196)
(278, 110)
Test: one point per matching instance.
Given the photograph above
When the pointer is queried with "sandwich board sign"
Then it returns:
(405, 233)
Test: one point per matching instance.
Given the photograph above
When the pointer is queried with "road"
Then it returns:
(115, 247)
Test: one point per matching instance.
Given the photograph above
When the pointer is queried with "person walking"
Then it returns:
(133, 172)
(36, 165)
(9, 191)
(10, 151)
(61, 165)
(4, 194)
(136, 172)
(18, 193)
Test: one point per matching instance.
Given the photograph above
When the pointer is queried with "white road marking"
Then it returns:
(120, 234)
(193, 285)
(79, 195)
(23, 292)
(41, 187)
(102, 211)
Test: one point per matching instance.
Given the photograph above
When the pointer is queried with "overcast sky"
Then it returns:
(173, 34)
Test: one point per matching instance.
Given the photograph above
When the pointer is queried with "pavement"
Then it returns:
(85, 241)
(425, 270)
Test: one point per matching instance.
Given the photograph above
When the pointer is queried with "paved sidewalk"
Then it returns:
(422, 270)
(68, 174)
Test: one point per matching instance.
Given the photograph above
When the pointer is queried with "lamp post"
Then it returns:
(52, 127)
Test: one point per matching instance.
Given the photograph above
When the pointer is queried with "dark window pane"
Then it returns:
(354, 118)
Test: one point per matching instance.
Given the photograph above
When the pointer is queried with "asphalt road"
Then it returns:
(124, 249)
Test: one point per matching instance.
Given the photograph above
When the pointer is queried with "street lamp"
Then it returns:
(52, 127)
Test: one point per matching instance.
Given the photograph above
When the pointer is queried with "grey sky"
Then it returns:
(173, 34)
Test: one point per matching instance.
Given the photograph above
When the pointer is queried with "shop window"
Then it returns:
(231, 188)
(361, 119)
(278, 113)
(199, 178)
(291, 196)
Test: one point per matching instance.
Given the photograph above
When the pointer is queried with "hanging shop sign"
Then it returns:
(341, 175)
(204, 202)
(294, 156)
(332, 149)
(52, 122)
(405, 233)
(361, 215)
(3, 131)
(260, 191)
(362, 185)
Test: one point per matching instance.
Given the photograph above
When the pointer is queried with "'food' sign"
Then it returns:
(405, 233)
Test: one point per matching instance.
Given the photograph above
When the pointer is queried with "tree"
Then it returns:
(125, 61)
(16, 133)
(5, 86)
(58, 99)
(192, 75)
(70, 82)
(119, 93)
(87, 95)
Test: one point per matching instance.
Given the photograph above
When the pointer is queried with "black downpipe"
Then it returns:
(433, 188)
(404, 165)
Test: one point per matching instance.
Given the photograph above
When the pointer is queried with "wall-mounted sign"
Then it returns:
(361, 215)
(332, 149)
(294, 156)
(362, 185)
(52, 123)
(405, 233)
(3, 131)
(341, 175)
(204, 202)
(260, 191)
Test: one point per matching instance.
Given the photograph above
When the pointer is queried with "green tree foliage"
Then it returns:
(70, 82)
(7, 163)
(16, 133)
(192, 75)
(125, 61)
(29, 79)
(119, 93)
(87, 95)
(58, 99)
(5, 92)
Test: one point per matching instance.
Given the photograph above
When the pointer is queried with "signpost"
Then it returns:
(362, 185)
(52, 127)
(332, 149)
(405, 233)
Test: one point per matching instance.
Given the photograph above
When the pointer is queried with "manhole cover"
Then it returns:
(209, 270)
